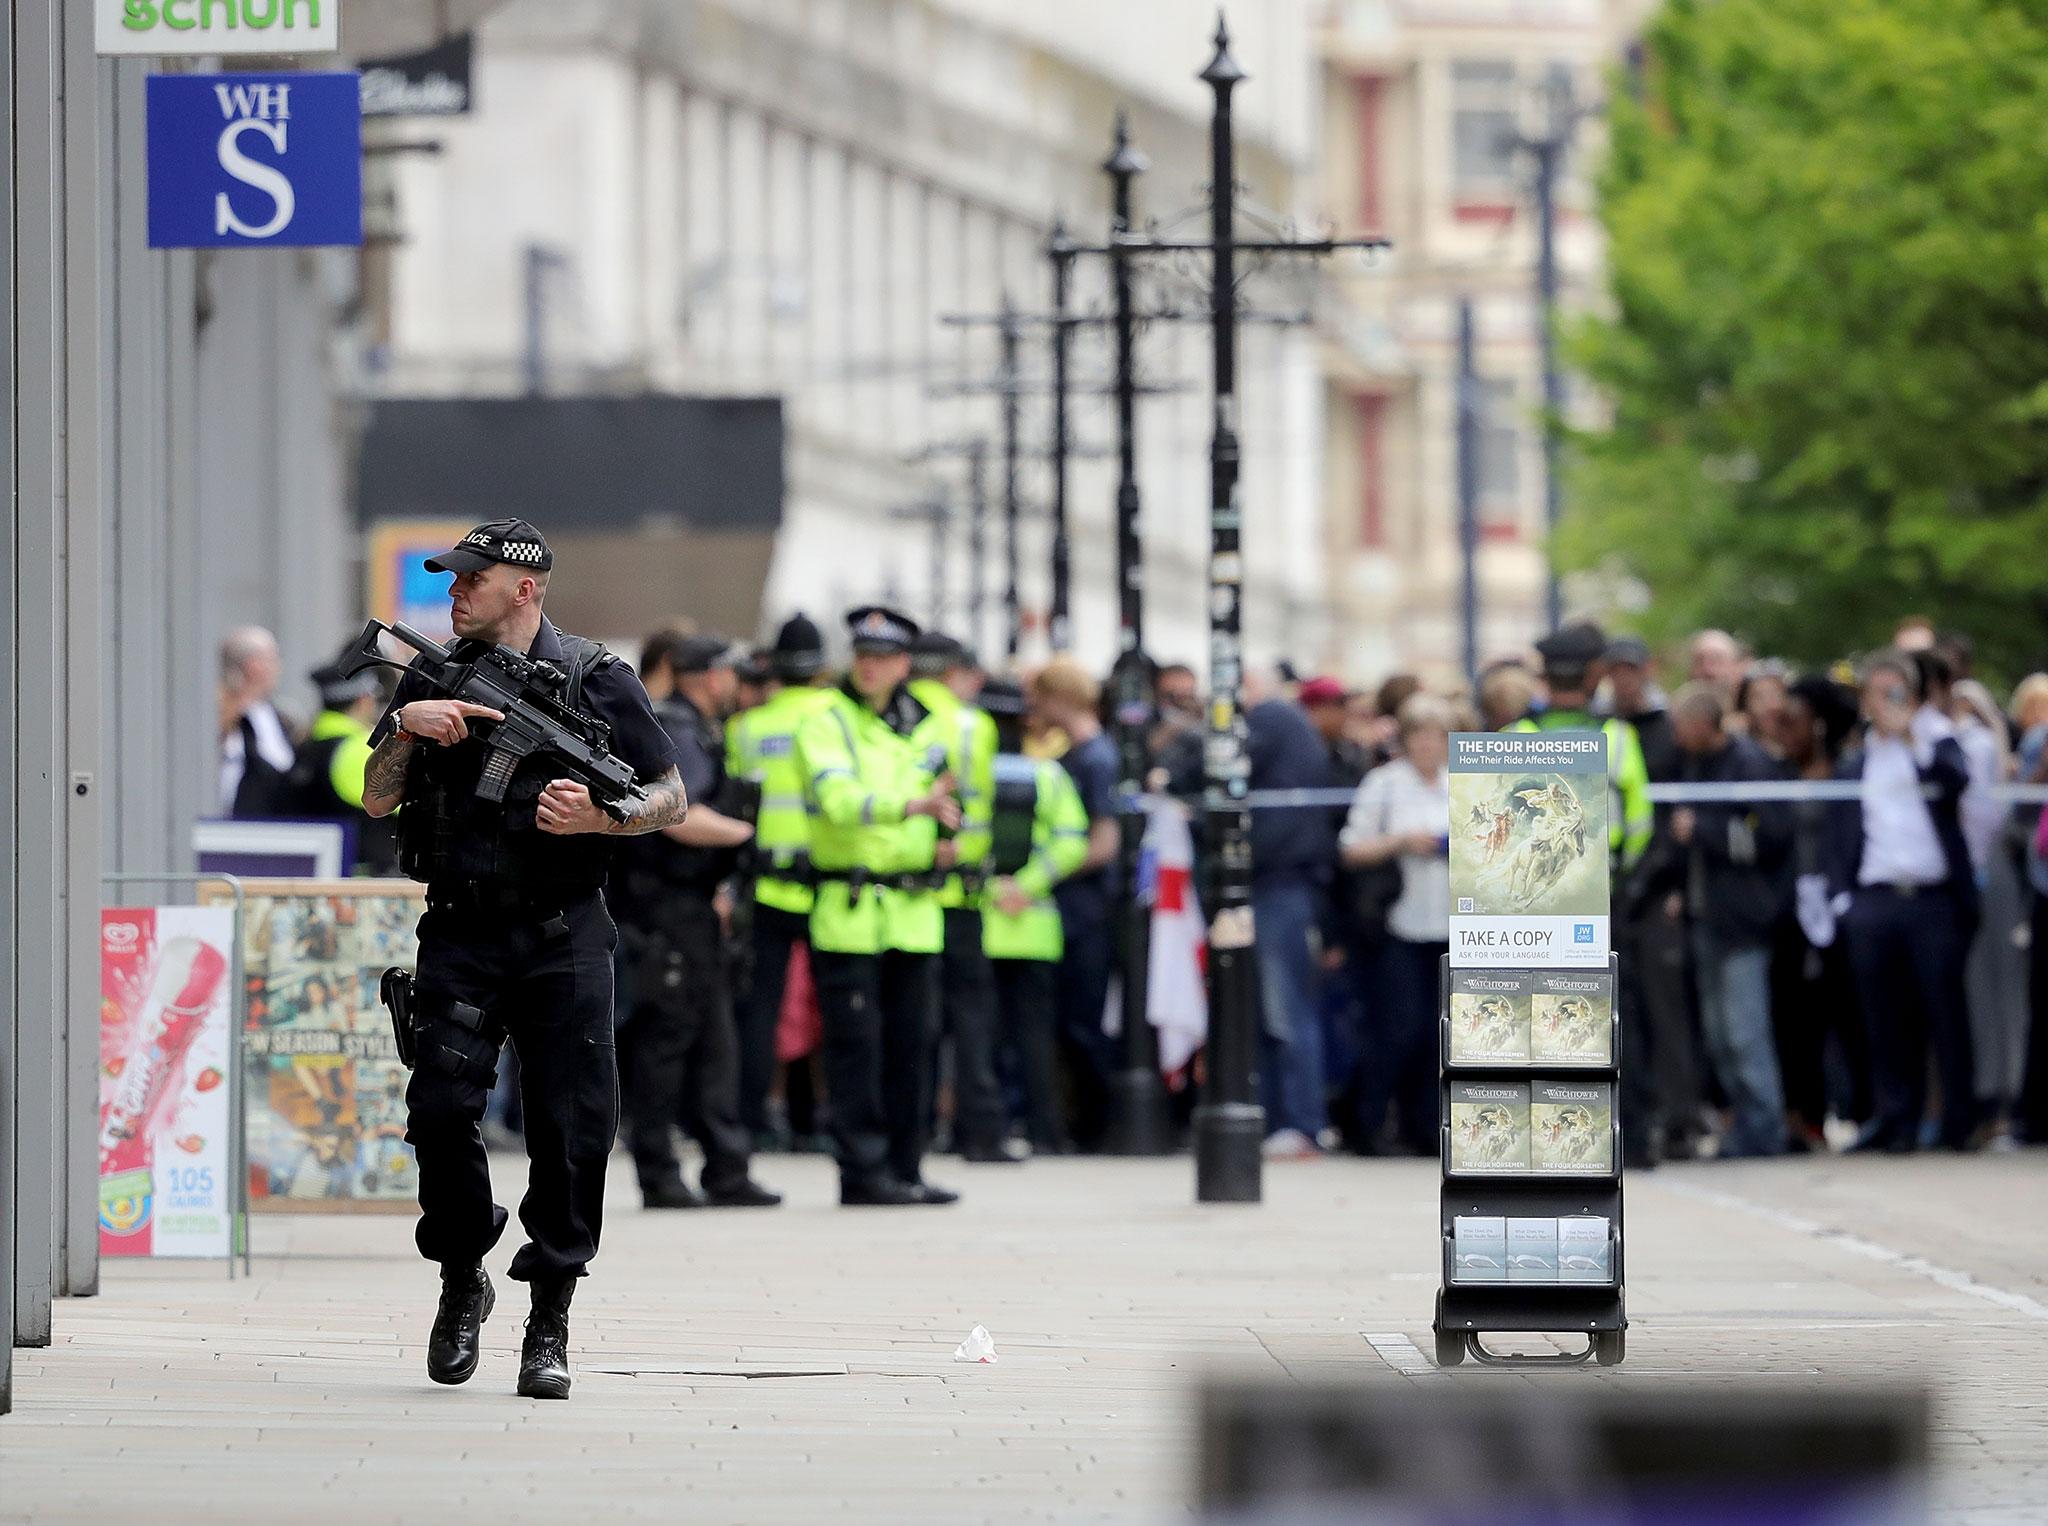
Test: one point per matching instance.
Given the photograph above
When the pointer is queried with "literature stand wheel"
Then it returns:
(1450, 1348)
(1609, 1346)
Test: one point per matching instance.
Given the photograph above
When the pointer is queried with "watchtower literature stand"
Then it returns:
(1530, 1048)
(1532, 1193)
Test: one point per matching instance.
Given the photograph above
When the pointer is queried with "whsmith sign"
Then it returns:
(254, 160)
(217, 26)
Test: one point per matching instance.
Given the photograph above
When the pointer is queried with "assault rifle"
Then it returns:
(529, 694)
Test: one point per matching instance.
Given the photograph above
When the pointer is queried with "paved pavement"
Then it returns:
(797, 1364)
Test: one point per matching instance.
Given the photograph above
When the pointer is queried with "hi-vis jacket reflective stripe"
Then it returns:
(1059, 842)
(858, 775)
(968, 735)
(760, 745)
(1629, 817)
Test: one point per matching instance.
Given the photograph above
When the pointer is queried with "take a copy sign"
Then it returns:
(187, 28)
(255, 160)
(1528, 850)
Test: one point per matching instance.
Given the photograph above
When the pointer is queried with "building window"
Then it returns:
(1372, 471)
(1484, 124)
(1500, 461)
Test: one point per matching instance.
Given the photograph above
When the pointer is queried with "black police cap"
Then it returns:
(515, 542)
(880, 631)
(338, 690)
(933, 653)
(799, 650)
(1002, 697)
(1572, 648)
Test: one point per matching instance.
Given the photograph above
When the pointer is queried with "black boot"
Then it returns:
(544, 1358)
(467, 1299)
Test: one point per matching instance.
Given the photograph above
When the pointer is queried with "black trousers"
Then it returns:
(679, 1050)
(1083, 992)
(1813, 995)
(547, 984)
(1028, 1018)
(1907, 952)
(879, 1013)
(1398, 1064)
(776, 934)
(967, 1002)
(1656, 947)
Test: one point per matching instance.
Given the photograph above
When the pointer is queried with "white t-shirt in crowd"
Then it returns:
(1395, 799)
(1900, 845)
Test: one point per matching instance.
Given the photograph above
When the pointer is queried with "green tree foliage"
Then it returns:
(1827, 349)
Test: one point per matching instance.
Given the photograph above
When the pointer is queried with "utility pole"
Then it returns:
(977, 540)
(1230, 1124)
(1138, 1123)
(1013, 614)
(1059, 249)
(1548, 152)
(1471, 402)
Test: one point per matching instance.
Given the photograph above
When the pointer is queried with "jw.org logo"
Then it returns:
(1582, 932)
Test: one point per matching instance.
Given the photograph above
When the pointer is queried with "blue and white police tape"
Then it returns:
(1759, 792)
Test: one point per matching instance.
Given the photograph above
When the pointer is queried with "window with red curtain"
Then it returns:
(1372, 470)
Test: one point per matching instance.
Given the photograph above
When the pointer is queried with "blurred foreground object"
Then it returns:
(1452, 1453)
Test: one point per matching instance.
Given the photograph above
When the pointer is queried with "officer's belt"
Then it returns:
(494, 898)
(857, 880)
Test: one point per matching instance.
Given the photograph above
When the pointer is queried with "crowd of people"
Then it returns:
(1858, 966)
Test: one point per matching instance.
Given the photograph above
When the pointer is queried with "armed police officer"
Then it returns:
(877, 801)
(516, 941)
(681, 1050)
(761, 748)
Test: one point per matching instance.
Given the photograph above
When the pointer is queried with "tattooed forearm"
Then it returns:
(664, 806)
(384, 775)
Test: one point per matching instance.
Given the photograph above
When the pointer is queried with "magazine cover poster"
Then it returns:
(1571, 1127)
(165, 1015)
(1571, 1018)
(326, 1098)
(1489, 1017)
(1529, 849)
(1489, 1127)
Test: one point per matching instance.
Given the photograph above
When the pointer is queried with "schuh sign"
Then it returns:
(190, 27)
(255, 160)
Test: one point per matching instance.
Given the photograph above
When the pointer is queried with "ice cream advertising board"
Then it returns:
(166, 1187)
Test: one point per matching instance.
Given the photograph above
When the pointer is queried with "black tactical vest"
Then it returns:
(452, 840)
(655, 866)
(1016, 812)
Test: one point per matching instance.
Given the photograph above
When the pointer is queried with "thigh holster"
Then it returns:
(458, 1039)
